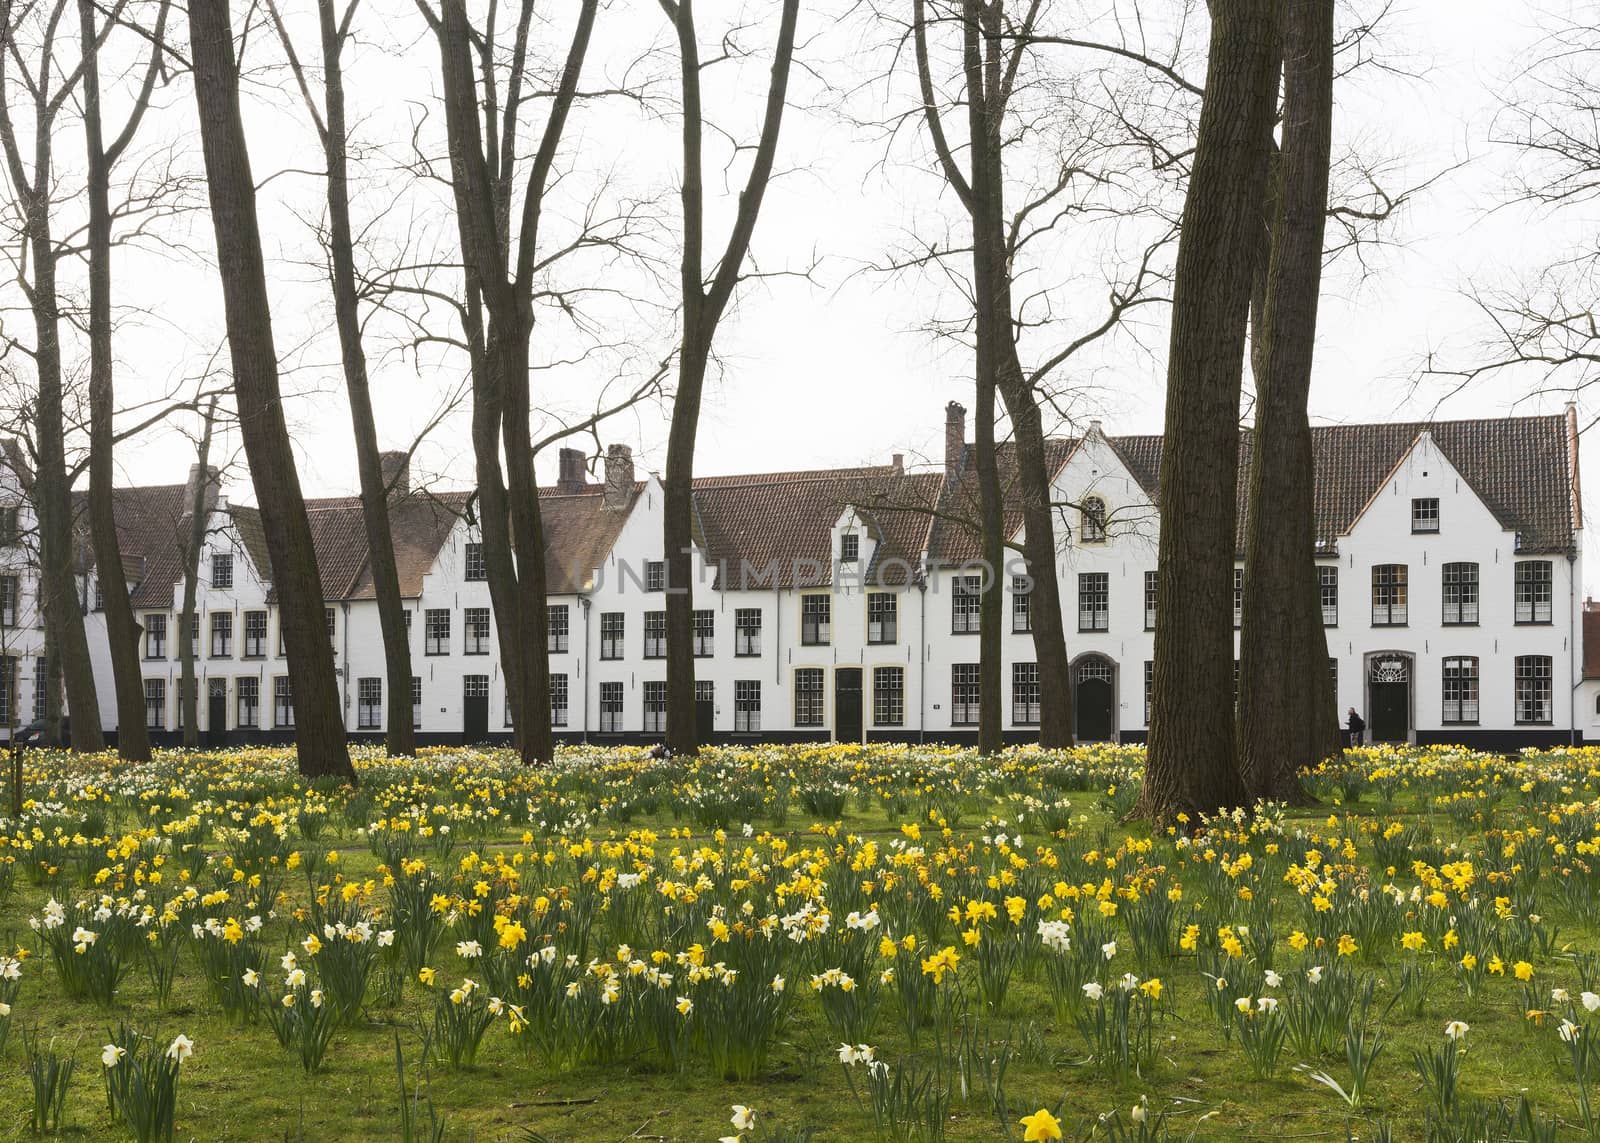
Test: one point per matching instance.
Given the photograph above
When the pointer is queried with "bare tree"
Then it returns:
(1286, 716)
(319, 720)
(329, 120)
(122, 630)
(1192, 764)
(45, 87)
(703, 305)
(483, 159)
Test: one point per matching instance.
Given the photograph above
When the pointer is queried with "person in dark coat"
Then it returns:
(1357, 727)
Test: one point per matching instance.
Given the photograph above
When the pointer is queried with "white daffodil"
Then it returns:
(110, 1055)
(1457, 1029)
(181, 1049)
(744, 1118)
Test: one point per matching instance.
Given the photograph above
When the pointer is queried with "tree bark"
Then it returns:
(1192, 764)
(399, 736)
(702, 309)
(122, 629)
(188, 617)
(1284, 686)
(319, 722)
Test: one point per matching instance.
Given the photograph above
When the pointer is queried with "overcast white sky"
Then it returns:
(837, 370)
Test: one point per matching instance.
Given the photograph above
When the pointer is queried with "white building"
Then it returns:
(836, 605)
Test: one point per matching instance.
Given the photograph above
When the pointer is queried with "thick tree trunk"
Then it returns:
(188, 616)
(69, 653)
(122, 629)
(319, 721)
(400, 736)
(1283, 653)
(1192, 765)
(677, 534)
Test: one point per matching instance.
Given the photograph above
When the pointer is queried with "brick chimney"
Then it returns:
(212, 489)
(572, 476)
(396, 473)
(955, 438)
(898, 464)
(619, 476)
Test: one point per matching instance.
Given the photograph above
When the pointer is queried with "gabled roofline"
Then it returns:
(1425, 431)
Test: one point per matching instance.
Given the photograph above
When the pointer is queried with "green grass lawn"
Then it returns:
(826, 827)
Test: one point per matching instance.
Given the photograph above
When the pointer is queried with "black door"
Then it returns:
(475, 718)
(217, 712)
(1391, 712)
(705, 718)
(847, 704)
(1093, 702)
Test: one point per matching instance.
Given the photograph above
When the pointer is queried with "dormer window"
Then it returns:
(849, 548)
(1425, 514)
(1092, 521)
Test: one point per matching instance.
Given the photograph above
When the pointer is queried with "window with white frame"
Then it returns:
(475, 568)
(10, 529)
(966, 604)
(612, 629)
(255, 634)
(155, 703)
(9, 592)
(221, 570)
(369, 703)
(705, 634)
(1149, 687)
(964, 692)
(1021, 604)
(221, 634)
(611, 708)
(655, 707)
(1150, 601)
(475, 686)
(475, 631)
(1092, 521)
(747, 706)
(1389, 595)
(41, 688)
(747, 631)
(190, 624)
(556, 615)
(558, 700)
(1459, 582)
(1534, 595)
(655, 575)
(155, 636)
(1025, 694)
(808, 705)
(1094, 601)
(849, 547)
(8, 687)
(888, 696)
(655, 634)
(282, 702)
(883, 617)
(1460, 689)
(1534, 694)
(816, 620)
(1328, 589)
(1238, 596)
(436, 631)
(416, 702)
(247, 702)
(1425, 514)
(328, 617)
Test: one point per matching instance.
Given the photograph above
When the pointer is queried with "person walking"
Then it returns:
(1357, 727)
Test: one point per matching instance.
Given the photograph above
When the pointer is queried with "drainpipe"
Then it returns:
(1574, 648)
(583, 601)
(344, 677)
(922, 663)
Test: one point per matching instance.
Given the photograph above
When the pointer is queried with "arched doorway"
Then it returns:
(1094, 699)
(1389, 675)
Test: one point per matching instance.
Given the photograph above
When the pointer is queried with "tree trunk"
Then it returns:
(319, 721)
(1192, 765)
(53, 497)
(122, 629)
(400, 735)
(1283, 652)
(702, 310)
(188, 617)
